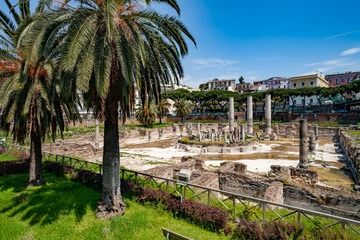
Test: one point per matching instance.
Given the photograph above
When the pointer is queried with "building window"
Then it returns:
(294, 102)
(337, 81)
(312, 83)
(294, 84)
(302, 84)
(303, 101)
(311, 101)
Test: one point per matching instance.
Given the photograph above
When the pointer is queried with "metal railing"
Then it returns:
(232, 202)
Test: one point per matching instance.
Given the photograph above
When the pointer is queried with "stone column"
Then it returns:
(250, 123)
(312, 144)
(243, 133)
(277, 131)
(267, 115)
(231, 114)
(303, 140)
(316, 132)
(198, 127)
(97, 134)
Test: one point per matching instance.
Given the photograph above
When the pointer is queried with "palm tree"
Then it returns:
(32, 105)
(183, 108)
(146, 115)
(163, 108)
(107, 45)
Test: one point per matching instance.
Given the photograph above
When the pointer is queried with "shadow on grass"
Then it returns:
(44, 205)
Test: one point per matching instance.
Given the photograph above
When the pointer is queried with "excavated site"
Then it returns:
(297, 163)
(247, 167)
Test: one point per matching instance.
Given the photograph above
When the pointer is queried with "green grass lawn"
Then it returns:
(355, 134)
(7, 156)
(65, 210)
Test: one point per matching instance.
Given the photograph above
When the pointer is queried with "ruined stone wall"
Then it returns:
(300, 194)
(315, 117)
(352, 151)
(288, 129)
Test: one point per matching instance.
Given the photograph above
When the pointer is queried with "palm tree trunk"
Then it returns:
(111, 203)
(35, 178)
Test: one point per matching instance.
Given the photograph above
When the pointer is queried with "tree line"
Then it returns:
(217, 100)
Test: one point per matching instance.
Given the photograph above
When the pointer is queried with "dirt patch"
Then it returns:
(323, 141)
(253, 156)
(166, 143)
(334, 177)
(286, 147)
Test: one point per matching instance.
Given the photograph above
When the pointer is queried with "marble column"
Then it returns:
(268, 115)
(303, 140)
(243, 137)
(231, 114)
(250, 121)
(316, 132)
(312, 144)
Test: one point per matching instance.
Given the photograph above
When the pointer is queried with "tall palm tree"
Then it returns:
(163, 108)
(30, 97)
(183, 108)
(107, 45)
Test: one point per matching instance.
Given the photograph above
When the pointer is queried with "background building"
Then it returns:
(273, 83)
(244, 87)
(216, 84)
(340, 79)
(306, 81)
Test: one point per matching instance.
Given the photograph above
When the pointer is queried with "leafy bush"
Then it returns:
(251, 230)
(2, 149)
(211, 218)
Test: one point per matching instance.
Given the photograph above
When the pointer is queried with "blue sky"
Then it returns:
(261, 38)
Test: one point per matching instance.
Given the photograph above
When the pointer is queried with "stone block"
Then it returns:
(240, 168)
(274, 193)
(304, 175)
(184, 175)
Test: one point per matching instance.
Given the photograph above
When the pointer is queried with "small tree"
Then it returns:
(241, 80)
(146, 115)
(163, 109)
(183, 108)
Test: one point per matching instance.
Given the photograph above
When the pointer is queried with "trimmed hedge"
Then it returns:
(251, 230)
(13, 167)
(208, 217)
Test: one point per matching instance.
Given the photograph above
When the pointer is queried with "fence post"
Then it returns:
(184, 191)
(263, 212)
(208, 197)
(234, 206)
(299, 219)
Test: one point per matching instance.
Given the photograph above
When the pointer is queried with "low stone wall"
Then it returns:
(297, 174)
(295, 193)
(352, 152)
(316, 117)
(13, 167)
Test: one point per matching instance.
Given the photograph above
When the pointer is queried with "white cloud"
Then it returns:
(342, 34)
(213, 63)
(350, 51)
(333, 62)
(326, 66)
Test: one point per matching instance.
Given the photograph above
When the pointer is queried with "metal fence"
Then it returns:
(261, 209)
